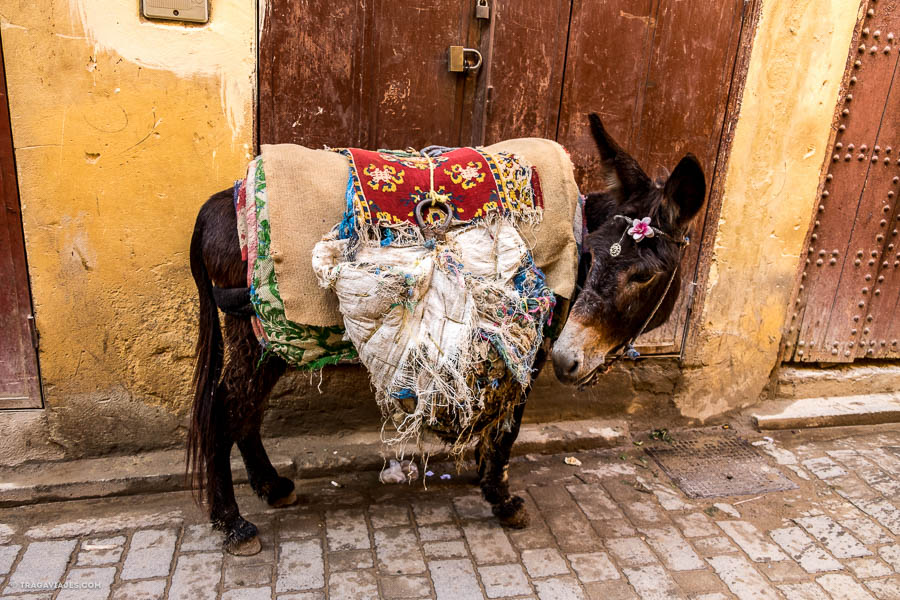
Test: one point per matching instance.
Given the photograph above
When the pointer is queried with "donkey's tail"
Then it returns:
(202, 433)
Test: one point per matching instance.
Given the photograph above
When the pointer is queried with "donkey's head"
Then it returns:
(622, 280)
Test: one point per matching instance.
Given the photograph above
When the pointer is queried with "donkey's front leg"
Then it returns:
(495, 482)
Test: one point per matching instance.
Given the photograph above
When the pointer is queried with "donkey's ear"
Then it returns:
(621, 173)
(685, 191)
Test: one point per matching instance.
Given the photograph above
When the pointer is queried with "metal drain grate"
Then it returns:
(711, 462)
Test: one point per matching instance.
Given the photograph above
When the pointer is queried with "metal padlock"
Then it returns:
(482, 9)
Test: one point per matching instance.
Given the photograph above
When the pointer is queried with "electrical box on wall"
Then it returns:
(196, 11)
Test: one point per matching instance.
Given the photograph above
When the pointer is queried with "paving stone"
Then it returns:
(437, 533)
(472, 507)
(88, 584)
(533, 536)
(303, 596)
(824, 468)
(572, 530)
(694, 583)
(644, 513)
(866, 530)
(614, 528)
(488, 543)
(398, 552)
(504, 580)
(871, 474)
(388, 515)
(559, 588)
(455, 549)
(299, 525)
(594, 566)
(610, 590)
(885, 589)
(751, 541)
(247, 575)
(675, 552)
(202, 538)
(694, 525)
(803, 591)
(843, 587)
(43, 563)
(891, 554)
(196, 576)
(431, 513)
(346, 530)
(595, 502)
(350, 560)
(868, 568)
(252, 593)
(544, 562)
(300, 566)
(802, 548)
(454, 580)
(353, 585)
(150, 554)
(652, 583)
(835, 538)
(670, 499)
(713, 596)
(885, 513)
(631, 551)
(98, 526)
(405, 586)
(8, 556)
(100, 552)
(741, 578)
(148, 589)
(713, 546)
(783, 571)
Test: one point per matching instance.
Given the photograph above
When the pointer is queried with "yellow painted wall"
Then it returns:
(799, 55)
(122, 127)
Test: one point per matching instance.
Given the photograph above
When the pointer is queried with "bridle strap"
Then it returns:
(627, 349)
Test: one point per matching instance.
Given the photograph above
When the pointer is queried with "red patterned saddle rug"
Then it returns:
(385, 186)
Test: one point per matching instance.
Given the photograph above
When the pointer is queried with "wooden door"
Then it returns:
(370, 74)
(19, 380)
(849, 289)
(659, 72)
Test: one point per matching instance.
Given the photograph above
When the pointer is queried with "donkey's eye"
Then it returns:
(641, 277)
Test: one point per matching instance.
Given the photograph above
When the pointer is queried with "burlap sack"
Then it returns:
(306, 198)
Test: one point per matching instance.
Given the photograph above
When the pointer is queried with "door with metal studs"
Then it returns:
(846, 305)
(376, 74)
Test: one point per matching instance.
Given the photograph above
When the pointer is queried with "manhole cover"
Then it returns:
(708, 463)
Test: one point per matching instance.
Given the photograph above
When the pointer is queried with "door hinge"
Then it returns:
(35, 337)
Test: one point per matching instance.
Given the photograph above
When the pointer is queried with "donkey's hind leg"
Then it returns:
(244, 387)
(495, 481)
(253, 388)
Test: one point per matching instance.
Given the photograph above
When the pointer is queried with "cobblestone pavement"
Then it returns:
(614, 527)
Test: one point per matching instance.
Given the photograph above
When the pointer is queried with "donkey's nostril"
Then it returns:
(573, 367)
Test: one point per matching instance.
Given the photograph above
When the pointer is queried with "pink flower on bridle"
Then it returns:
(641, 229)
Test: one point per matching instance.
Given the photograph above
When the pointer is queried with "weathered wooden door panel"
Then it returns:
(660, 76)
(849, 285)
(526, 53)
(19, 381)
(357, 73)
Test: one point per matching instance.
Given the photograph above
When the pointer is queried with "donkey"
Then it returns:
(625, 286)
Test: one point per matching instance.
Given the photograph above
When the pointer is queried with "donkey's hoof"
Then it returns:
(288, 500)
(242, 538)
(512, 513)
(281, 493)
(244, 548)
